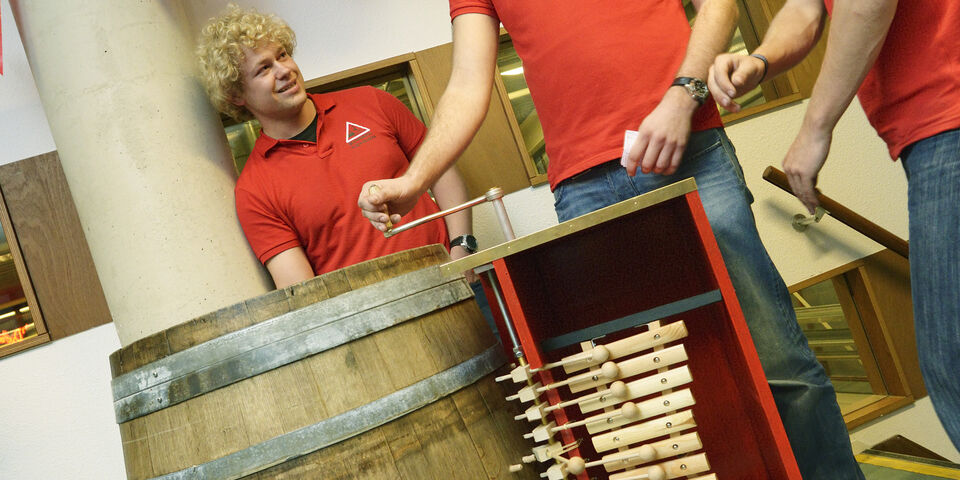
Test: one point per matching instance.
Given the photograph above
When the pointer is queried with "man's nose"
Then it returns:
(281, 70)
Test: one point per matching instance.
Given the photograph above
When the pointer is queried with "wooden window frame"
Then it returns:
(43, 336)
(792, 86)
(856, 284)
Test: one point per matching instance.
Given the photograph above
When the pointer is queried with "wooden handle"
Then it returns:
(845, 215)
(373, 190)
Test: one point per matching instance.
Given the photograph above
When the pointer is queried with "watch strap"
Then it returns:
(467, 242)
(688, 83)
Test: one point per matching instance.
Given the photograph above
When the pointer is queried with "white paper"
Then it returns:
(629, 137)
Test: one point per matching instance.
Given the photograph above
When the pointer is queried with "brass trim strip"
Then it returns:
(569, 227)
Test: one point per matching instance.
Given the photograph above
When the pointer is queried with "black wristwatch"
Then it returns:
(468, 242)
(695, 87)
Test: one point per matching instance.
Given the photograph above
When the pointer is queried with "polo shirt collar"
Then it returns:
(323, 103)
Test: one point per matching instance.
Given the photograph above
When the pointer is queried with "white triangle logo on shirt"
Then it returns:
(355, 131)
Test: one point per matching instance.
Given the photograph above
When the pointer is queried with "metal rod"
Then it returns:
(511, 331)
(846, 216)
(495, 195)
(420, 221)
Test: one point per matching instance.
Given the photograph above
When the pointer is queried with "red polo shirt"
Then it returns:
(595, 69)
(913, 89)
(294, 193)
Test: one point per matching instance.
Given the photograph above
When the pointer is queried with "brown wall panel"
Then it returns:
(54, 247)
(493, 159)
(889, 274)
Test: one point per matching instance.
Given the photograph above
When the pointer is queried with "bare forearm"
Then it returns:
(289, 267)
(464, 103)
(793, 33)
(858, 29)
(712, 30)
(456, 120)
(450, 191)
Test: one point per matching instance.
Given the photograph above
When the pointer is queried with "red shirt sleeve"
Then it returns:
(265, 230)
(459, 7)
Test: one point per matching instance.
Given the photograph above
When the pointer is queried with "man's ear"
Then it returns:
(236, 99)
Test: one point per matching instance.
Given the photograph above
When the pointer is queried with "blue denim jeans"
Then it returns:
(933, 198)
(804, 395)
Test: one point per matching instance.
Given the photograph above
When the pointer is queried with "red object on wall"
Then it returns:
(651, 260)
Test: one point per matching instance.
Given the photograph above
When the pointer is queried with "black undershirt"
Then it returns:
(308, 134)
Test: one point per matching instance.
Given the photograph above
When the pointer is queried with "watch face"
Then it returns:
(698, 88)
(468, 242)
(471, 243)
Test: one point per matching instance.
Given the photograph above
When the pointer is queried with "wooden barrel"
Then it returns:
(382, 370)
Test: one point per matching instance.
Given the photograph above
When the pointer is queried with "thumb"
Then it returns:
(740, 75)
(377, 192)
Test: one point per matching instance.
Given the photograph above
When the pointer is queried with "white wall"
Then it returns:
(24, 131)
(64, 427)
(58, 420)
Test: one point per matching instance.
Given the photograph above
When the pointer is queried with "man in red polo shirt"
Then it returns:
(596, 69)
(296, 195)
(905, 60)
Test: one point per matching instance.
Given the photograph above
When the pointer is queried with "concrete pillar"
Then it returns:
(145, 157)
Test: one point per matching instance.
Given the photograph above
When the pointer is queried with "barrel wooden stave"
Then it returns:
(264, 307)
(471, 430)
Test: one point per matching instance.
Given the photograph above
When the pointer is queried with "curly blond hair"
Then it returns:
(220, 52)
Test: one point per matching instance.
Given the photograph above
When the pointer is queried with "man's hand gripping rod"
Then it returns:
(494, 195)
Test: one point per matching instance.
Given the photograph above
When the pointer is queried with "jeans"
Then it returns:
(933, 198)
(481, 298)
(804, 395)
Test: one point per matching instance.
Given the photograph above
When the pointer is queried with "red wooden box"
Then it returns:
(608, 273)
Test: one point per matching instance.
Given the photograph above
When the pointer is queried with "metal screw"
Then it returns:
(656, 337)
(675, 446)
(683, 466)
(159, 400)
(603, 398)
(616, 439)
(595, 378)
(663, 380)
(656, 359)
(669, 424)
(666, 403)
(155, 374)
(609, 420)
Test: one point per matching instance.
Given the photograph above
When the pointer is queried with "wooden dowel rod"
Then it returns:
(845, 215)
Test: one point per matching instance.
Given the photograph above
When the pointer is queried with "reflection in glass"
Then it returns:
(828, 329)
(511, 73)
(16, 322)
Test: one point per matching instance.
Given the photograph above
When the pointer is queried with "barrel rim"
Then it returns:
(282, 340)
(160, 346)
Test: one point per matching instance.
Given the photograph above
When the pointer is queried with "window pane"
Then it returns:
(242, 137)
(16, 322)
(511, 73)
(828, 329)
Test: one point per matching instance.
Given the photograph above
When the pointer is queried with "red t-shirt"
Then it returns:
(293, 193)
(913, 90)
(594, 68)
